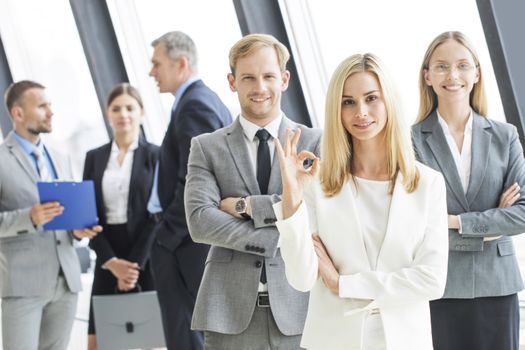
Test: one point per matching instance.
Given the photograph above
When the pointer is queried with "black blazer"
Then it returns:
(198, 111)
(144, 159)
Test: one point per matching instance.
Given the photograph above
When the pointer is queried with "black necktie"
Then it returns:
(264, 162)
(264, 166)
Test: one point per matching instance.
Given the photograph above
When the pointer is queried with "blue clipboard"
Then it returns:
(78, 200)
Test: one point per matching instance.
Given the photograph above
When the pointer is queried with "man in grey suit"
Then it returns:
(244, 300)
(41, 278)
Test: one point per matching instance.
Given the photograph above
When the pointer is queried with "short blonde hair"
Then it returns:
(336, 165)
(250, 43)
(427, 97)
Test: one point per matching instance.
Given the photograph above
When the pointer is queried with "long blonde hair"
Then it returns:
(336, 165)
(427, 97)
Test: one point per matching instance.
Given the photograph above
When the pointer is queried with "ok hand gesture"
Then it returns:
(293, 173)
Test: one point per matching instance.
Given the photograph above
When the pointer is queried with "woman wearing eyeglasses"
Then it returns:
(482, 162)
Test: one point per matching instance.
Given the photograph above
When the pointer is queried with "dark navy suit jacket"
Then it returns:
(198, 111)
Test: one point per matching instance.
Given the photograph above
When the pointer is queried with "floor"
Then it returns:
(79, 334)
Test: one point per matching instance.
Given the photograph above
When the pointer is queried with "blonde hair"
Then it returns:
(336, 167)
(250, 43)
(427, 97)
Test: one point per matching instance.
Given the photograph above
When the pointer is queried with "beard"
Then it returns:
(38, 130)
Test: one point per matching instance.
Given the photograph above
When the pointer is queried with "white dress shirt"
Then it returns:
(252, 142)
(373, 211)
(463, 157)
(115, 185)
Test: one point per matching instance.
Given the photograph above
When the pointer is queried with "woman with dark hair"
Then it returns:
(122, 171)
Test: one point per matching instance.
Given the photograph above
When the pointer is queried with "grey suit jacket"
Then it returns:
(32, 256)
(477, 268)
(219, 166)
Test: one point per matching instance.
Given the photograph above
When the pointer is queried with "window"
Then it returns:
(50, 52)
(399, 33)
(212, 25)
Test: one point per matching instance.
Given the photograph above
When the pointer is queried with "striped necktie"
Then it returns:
(45, 175)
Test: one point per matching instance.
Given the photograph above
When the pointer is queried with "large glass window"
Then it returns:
(399, 33)
(214, 27)
(42, 44)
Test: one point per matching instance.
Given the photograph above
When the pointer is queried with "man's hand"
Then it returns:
(327, 270)
(43, 213)
(87, 232)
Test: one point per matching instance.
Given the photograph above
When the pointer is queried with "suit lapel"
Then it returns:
(241, 158)
(18, 153)
(275, 183)
(354, 220)
(137, 170)
(101, 160)
(396, 215)
(58, 165)
(438, 145)
(481, 140)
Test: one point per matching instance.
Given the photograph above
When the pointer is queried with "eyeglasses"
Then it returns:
(443, 68)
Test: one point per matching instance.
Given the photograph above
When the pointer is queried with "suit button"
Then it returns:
(258, 264)
(58, 242)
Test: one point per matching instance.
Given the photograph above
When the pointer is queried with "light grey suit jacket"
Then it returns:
(477, 268)
(219, 166)
(32, 256)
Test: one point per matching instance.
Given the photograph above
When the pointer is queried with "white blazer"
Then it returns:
(411, 268)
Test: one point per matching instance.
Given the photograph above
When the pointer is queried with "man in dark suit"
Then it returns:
(177, 262)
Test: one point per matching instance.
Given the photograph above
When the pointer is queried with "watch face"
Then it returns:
(240, 206)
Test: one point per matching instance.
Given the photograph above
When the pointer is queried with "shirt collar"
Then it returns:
(250, 129)
(182, 89)
(444, 125)
(134, 145)
(28, 146)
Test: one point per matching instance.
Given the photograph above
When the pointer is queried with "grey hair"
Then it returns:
(178, 44)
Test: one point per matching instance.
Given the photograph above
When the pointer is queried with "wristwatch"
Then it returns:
(240, 208)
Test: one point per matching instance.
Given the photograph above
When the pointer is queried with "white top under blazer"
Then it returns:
(411, 267)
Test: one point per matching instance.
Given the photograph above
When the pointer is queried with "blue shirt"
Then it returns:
(154, 201)
(28, 148)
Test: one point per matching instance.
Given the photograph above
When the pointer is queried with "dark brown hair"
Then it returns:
(124, 89)
(15, 92)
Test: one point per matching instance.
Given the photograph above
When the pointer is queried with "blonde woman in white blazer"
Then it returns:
(367, 236)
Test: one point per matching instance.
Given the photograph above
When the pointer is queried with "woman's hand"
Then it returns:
(125, 286)
(293, 173)
(87, 232)
(327, 270)
(506, 200)
(124, 270)
(510, 196)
